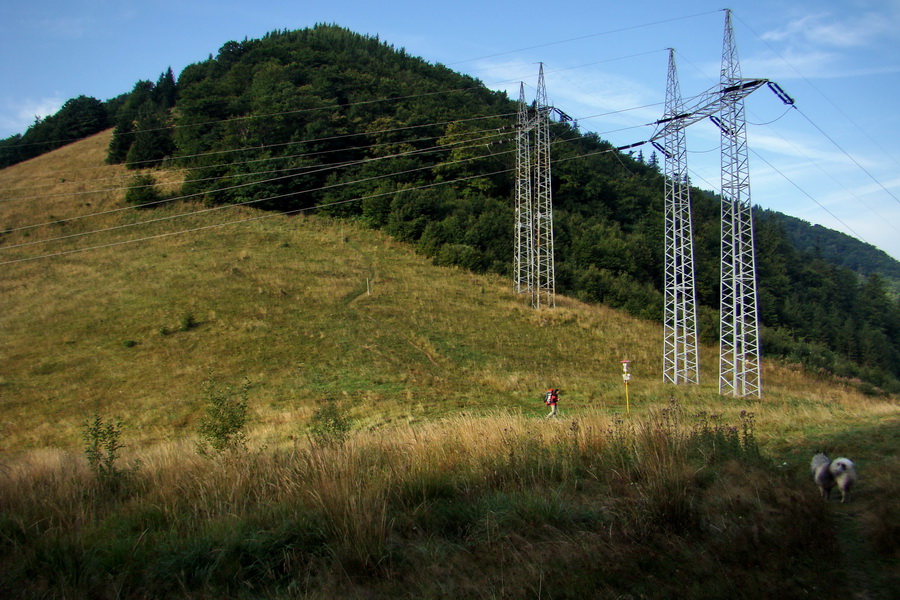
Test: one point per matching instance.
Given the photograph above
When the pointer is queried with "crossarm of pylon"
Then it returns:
(705, 105)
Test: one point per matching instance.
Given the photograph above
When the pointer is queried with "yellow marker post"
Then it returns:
(626, 377)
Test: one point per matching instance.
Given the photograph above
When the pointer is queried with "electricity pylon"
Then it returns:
(680, 358)
(739, 368)
(524, 252)
(545, 275)
(534, 260)
(739, 351)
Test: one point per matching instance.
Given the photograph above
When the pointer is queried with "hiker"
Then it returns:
(551, 398)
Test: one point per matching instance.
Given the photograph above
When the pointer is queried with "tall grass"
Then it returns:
(446, 487)
(468, 507)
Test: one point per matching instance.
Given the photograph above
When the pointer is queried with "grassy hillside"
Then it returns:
(441, 372)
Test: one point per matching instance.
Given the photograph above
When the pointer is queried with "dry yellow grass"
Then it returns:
(305, 308)
(441, 370)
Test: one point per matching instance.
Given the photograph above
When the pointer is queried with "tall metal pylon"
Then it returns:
(524, 251)
(739, 361)
(680, 339)
(534, 256)
(545, 269)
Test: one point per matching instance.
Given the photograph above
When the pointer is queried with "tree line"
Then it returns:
(77, 119)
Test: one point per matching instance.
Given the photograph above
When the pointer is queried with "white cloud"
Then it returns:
(66, 27)
(17, 115)
(829, 30)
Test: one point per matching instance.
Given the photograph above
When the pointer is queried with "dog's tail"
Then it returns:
(842, 465)
(844, 473)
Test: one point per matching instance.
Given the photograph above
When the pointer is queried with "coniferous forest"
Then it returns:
(325, 119)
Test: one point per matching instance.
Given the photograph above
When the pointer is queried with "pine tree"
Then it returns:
(152, 139)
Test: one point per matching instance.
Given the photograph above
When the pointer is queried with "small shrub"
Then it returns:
(225, 415)
(329, 425)
(188, 322)
(102, 443)
(142, 191)
(129, 343)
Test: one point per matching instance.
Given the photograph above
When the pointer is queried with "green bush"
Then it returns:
(188, 322)
(329, 425)
(102, 443)
(221, 428)
(142, 191)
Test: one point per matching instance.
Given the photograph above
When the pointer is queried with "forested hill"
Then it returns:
(330, 120)
(840, 249)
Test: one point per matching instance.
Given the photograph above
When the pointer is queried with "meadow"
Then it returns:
(448, 482)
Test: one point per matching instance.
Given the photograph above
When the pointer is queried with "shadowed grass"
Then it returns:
(458, 506)
(447, 486)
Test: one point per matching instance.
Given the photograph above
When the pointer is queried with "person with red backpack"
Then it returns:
(551, 398)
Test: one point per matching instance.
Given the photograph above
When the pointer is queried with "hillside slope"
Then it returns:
(451, 481)
(327, 119)
(305, 308)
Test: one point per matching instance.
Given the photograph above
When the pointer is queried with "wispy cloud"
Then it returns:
(828, 30)
(828, 45)
(66, 27)
(603, 98)
(17, 115)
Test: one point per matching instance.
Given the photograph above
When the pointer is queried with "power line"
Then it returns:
(255, 218)
(215, 165)
(223, 207)
(313, 168)
(262, 116)
(802, 191)
(321, 139)
(290, 212)
(308, 154)
(847, 154)
(585, 37)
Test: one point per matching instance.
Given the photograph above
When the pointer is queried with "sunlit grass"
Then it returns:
(441, 371)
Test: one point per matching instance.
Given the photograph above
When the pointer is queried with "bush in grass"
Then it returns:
(221, 428)
(329, 425)
(188, 322)
(102, 443)
(142, 191)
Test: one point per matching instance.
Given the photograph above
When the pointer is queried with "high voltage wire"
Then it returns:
(482, 87)
(585, 37)
(332, 106)
(312, 168)
(230, 164)
(847, 154)
(315, 153)
(290, 212)
(255, 218)
(246, 203)
(830, 176)
(275, 114)
(309, 170)
(485, 87)
(321, 139)
(804, 192)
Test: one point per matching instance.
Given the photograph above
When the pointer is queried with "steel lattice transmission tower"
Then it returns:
(534, 257)
(739, 362)
(680, 355)
(524, 209)
(723, 104)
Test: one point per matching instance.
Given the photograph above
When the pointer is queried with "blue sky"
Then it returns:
(832, 161)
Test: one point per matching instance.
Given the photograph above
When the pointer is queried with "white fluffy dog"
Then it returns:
(827, 473)
(844, 473)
